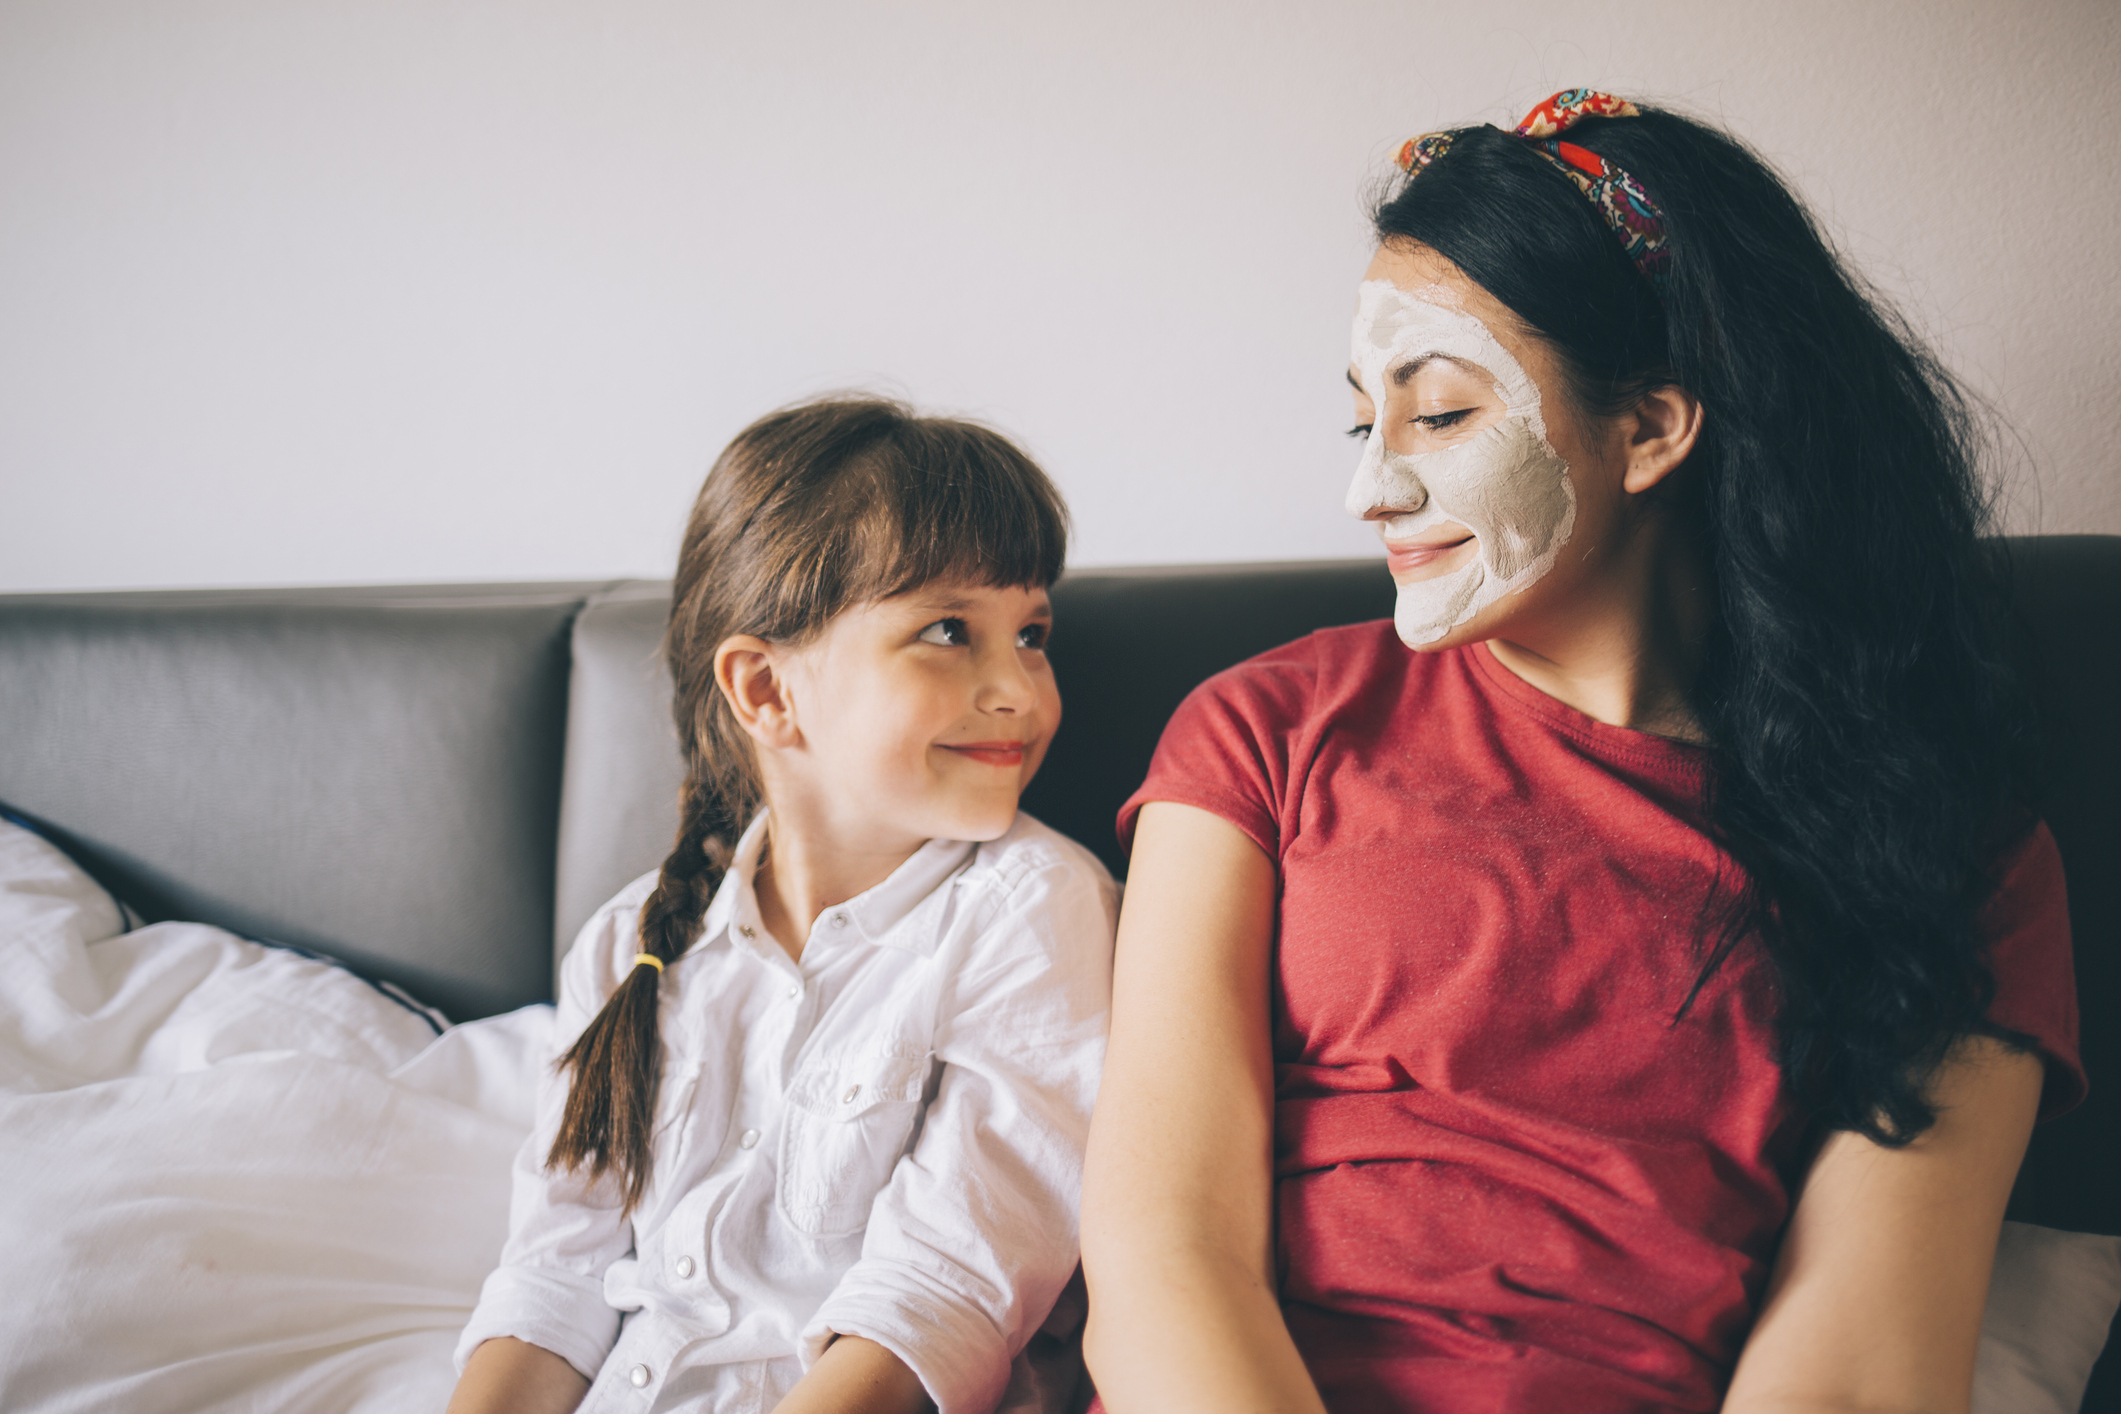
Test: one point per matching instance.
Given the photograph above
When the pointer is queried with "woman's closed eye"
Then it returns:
(946, 633)
(1434, 421)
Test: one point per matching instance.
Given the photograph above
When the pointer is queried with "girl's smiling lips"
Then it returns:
(991, 753)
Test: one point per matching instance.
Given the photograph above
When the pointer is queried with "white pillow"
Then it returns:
(2050, 1305)
(87, 1001)
(233, 1178)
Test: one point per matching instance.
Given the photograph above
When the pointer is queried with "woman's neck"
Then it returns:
(812, 863)
(1629, 654)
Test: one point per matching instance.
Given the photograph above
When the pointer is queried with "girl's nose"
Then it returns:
(1006, 685)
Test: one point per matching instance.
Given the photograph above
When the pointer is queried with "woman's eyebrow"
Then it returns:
(1407, 370)
(1403, 374)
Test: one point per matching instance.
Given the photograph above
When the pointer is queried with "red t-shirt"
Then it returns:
(1506, 1178)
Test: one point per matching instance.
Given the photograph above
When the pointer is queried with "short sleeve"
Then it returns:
(2026, 922)
(1227, 750)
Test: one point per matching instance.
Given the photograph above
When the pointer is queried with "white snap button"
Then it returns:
(839, 920)
(747, 930)
(795, 992)
(638, 1375)
(684, 1266)
(749, 1139)
(852, 1091)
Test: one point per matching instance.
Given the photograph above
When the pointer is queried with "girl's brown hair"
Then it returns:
(810, 511)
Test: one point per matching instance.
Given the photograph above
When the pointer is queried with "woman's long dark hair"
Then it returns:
(1863, 728)
(810, 511)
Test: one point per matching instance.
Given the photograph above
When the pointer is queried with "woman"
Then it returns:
(1628, 980)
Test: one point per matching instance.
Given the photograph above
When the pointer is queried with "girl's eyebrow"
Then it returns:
(943, 602)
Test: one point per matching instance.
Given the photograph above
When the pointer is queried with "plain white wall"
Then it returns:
(301, 291)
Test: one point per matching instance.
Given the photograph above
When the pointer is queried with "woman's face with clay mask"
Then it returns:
(1472, 467)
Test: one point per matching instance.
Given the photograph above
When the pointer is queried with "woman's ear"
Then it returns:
(749, 672)
(1661, 432)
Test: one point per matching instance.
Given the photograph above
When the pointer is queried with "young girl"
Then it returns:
(816, 1143)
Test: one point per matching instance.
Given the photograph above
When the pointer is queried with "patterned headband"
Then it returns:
(1620, 199)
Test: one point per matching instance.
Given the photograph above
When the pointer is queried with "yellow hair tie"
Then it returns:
(650, 958)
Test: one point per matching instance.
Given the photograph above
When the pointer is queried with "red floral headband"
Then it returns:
(1620, 199)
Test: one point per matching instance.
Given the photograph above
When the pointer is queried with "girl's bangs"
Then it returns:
(957, 502)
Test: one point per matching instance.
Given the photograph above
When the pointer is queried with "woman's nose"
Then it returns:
(1382, 489)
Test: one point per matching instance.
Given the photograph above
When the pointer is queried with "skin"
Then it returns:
(1875, 1300)
(1614, 628)
(907, 719)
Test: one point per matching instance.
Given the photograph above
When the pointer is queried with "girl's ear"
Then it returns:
(749, 672)
(1661, 432)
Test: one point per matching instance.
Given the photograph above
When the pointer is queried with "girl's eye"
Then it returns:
(1360, 431)
(1438, 421)
(1034, 636)
(946, 633)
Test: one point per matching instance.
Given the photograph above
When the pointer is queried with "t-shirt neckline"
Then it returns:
(1684, 762)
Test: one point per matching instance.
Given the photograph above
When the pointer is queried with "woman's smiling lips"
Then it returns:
(991, 753)
(1403, 556)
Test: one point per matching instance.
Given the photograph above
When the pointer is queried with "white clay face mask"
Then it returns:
(1505, 484)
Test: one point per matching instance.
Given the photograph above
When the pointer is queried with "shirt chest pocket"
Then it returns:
(849, 1120)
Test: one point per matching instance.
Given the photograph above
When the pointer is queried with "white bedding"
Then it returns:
(233, 1178)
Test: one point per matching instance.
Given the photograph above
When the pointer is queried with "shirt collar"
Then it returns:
(733, 916)
(881, 915)
(875, 915)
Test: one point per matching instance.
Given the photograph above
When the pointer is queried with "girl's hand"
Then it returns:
(856, 1376)
(519, 1378)
(1178, 1186)
(1876, 1298)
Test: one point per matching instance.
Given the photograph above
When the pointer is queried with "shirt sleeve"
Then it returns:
(976, 1234)
(564, 1231)
(1227, 748)
(2026, 923)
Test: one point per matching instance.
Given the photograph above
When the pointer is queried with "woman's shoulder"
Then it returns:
(1322, 666)
(1239, 740)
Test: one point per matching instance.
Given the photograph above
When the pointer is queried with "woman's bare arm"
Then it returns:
(510, 1376)
(1178, 1188)
(1875, 1302)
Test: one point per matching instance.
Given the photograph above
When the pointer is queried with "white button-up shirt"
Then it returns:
(882, 1140)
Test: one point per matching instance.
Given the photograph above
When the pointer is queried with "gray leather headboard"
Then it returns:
(369, 773)
(619, 799)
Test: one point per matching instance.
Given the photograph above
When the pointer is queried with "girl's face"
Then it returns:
(1473, 469)
(925, 715)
